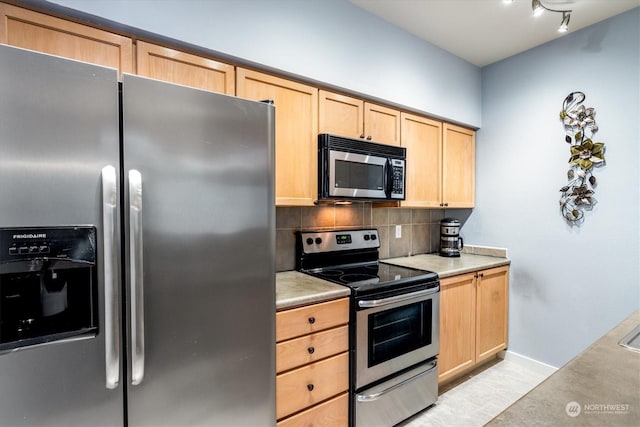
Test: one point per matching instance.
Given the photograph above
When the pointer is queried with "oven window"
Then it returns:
(358, 175)
(401, 330)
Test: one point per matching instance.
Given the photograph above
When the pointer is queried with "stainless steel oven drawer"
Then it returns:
(390, 402)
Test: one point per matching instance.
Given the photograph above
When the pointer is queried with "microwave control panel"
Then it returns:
(397, 171)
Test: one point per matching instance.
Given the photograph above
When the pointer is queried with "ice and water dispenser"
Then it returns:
(48, 285)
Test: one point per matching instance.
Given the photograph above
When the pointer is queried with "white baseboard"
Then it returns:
(532, 364)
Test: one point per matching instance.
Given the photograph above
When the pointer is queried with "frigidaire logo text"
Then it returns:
(30, 236)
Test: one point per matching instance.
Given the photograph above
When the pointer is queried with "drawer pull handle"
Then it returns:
(311, 350)
(312, 320)
(310, 387)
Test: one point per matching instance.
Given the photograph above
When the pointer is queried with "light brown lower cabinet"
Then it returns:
(473, 320)
(332, 413)
(312, 363)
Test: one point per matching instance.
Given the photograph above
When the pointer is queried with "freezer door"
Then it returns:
(58, 129)
(200, 256)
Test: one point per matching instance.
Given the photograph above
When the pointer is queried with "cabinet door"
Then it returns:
(183, 68)
(311, 348)
(340, 115)
(458, 160)
(43, 33)
(332, 413)
(491, 308)
(457, 325)
(311, 384)
(296, 133)
(311, 318)
(381, 124)
(423, 139)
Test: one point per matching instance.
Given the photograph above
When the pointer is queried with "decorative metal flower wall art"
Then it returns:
(580, 126)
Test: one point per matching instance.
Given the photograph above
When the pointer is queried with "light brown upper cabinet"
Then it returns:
(183, 68)
(381, 124)
(440, 163)
(340, 115)
(296, 133)
(458, 167)
(422, 138)
(354, 118)
(43, 33)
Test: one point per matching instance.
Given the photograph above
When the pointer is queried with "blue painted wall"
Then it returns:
(569, 284)
(330, 41)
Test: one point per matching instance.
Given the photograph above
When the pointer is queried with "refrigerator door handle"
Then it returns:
(111, 288)
(136, 277)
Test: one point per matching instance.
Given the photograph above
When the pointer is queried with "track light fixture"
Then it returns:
(564, 25)
(538, 8)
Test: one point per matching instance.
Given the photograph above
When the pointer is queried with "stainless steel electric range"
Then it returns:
(394, 324)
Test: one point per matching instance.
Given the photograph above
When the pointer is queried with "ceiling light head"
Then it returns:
(564, 25)
(537, 7)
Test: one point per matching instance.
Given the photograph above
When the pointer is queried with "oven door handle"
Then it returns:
(376, 396)
(398, 298)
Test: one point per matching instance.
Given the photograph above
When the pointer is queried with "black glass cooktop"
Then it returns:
(374, 275)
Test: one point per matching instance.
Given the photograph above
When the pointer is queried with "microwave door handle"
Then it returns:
(111, 293)
(136, 277)
(388, 178)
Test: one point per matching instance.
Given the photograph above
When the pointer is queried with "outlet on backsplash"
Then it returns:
(416, 231)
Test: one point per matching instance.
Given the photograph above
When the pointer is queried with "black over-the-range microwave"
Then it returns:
(355, 169)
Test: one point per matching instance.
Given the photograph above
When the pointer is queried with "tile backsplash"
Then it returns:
(419, 228)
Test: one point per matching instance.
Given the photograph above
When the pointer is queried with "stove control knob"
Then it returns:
(366, 237)
(318, 240)
(309, 241)
(373, 237)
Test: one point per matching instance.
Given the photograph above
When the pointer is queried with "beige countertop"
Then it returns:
(446, 267)
(294, 289)
(599, 387)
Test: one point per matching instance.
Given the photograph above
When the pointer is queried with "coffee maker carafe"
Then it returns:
(450, 241)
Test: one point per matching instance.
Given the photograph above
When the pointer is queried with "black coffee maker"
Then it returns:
(450, 241)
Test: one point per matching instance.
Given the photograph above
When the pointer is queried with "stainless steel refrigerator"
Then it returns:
(136, 250)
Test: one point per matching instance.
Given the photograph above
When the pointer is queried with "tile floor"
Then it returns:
(478, 397)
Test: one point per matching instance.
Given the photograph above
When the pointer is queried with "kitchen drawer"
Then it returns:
(312, 318)
(310, 348)
(332, 413)
(311, 384)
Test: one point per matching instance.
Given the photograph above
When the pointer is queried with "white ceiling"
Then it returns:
(486, 31)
